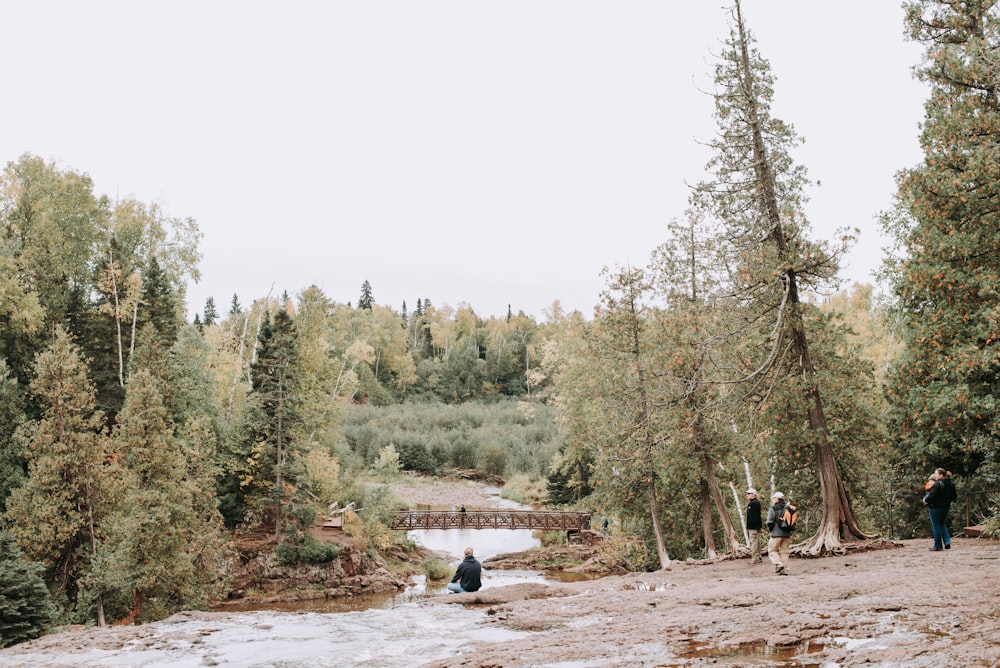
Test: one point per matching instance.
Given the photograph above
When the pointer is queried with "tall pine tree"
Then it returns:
(56, 515)
(945, 388)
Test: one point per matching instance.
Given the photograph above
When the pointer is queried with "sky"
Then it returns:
(490, 154)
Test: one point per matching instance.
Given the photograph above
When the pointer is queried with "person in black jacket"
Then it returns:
(754, 524)
(467, 576)
(938, 501)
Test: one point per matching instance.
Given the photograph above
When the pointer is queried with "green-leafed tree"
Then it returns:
(757, 192)
(694, 325)
(191, 380)
(945, 389)
(623, 422)
(49, 231)
(57, 513)
(26, 611)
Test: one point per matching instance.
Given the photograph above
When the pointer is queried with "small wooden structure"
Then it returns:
(542, 520)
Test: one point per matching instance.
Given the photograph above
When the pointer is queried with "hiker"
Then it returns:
(938, 501)
(467, 576)
(778, 546)
(604, 527)
(754, 525)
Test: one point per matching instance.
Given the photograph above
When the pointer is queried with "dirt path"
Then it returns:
(894, 607)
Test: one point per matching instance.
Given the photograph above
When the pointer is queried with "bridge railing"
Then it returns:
(548, 520)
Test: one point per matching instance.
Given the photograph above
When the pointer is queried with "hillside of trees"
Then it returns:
(133, 442)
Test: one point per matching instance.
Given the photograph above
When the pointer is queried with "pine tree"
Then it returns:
(158, 305)
(11, 413)
(56, 514)
(366, 301)
(276, 412)
(145, 568)
(26, 610)
(210, 315)
(947, 226)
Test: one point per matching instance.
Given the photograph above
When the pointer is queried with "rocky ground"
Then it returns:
(897, 606)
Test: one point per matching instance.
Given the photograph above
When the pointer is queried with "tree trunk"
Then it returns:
(706, 521)
(654, 507)
(715, 493)
(239, 365)
(118, 318)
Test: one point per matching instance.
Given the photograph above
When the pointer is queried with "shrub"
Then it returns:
(308, 551)
(523, 489)
(435, 569)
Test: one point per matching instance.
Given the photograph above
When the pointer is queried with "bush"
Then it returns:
(523, 489)
(435, 569)
(308, 551)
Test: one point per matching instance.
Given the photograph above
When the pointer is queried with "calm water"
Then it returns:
(485, 543)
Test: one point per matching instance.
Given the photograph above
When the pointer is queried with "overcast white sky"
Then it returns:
(490, 153)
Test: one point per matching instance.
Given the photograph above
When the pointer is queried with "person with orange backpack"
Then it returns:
(781, 518)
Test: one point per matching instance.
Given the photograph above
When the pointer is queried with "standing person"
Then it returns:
(604, 527)
(467, 576)
(938, 501)
(754, 525)
(778, 546)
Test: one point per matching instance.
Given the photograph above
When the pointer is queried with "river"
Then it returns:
(387, 631)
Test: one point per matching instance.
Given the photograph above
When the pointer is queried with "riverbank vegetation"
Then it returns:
(134, 442)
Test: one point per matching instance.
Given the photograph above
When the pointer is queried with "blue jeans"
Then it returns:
(455, 588)
(938, 526)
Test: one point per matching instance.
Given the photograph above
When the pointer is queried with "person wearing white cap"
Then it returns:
(754, 525)
(778, 546)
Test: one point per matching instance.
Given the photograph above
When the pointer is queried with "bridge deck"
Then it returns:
(491, 519)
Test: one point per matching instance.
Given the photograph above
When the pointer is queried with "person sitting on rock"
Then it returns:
(467, 576)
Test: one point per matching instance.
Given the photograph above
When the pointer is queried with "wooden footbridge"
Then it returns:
(544, 520)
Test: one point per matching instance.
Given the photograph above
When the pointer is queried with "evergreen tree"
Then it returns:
(56, 514)
(234, 306)
(366, 301)
(276, 416)
(944, 389)
(12, 462)
(145, 568)
(158, 305)
(757, 194)
(210, 315)
(26, 610)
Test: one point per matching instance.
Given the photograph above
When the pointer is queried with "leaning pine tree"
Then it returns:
(757, 193)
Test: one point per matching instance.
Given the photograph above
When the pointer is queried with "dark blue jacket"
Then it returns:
(941, 494)
(469, 572)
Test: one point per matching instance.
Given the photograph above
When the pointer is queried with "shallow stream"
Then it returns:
(377, 631)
